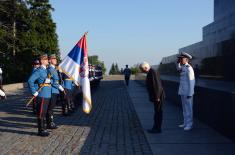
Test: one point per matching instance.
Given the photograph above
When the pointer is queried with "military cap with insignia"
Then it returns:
(43, 56)
(52, 56)
(185, 55)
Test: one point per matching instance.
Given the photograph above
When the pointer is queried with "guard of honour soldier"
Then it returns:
(36, 65)
(68, 105)
(46, 84)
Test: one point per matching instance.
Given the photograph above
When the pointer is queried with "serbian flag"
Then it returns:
(75, 65)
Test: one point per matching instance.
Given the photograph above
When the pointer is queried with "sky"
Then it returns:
(131, 31)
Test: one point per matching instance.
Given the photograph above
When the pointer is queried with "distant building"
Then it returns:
(155, 67)
(222, 29)
(169, 59)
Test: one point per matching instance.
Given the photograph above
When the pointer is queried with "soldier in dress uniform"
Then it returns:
(67, 106)
(186, 89)
(43, 94)
(55, 91)
(36, 65)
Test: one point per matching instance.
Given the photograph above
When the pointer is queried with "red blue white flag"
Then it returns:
(75, 65)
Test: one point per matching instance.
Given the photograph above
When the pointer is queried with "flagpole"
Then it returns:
(78, 70)
(86, 33)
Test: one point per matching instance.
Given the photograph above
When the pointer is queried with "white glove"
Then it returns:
(61, 88)
(2, 93)
(35, 94)
(47, 80)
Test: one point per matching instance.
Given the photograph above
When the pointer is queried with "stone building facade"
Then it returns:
(222, 29)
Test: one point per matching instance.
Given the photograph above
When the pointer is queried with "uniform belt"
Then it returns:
(68, 79)
(44, 84)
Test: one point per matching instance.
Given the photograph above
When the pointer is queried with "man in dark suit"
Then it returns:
(156, 95)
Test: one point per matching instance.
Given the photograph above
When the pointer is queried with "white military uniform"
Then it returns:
(186, 89)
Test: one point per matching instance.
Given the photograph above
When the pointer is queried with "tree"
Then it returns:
(42, 36)
(26, 30)
(135, 69)
(114, 70)
(13, 25)
(117, 71)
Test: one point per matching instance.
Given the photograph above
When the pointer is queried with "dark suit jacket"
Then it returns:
(154, 86)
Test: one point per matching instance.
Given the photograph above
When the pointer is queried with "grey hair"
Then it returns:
(144, 65)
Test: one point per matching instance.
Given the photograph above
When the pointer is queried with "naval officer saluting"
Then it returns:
(43, 94)
(186, 89)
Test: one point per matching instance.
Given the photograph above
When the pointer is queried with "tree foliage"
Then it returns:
(135, 69)
(26, 30)
(114, 70)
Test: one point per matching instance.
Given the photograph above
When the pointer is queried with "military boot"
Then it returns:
(50, 122)
(41, 130)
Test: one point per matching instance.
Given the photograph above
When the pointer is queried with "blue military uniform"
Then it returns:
(54, 96)
(68, 105)
(40, 75)
(36, 87)
(186, 91)
(43, 94)
(36, 64)
(35, 83)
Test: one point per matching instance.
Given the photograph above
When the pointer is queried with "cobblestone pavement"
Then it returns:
(112, 127)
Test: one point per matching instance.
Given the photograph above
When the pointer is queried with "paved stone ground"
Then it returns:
(202, 140)
(112, 127)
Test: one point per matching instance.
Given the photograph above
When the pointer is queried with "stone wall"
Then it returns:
(15, 86)
(213, 106)
(223, 8)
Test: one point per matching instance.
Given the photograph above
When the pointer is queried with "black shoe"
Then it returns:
(52, 126)
(154, 130)
(43, 133)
